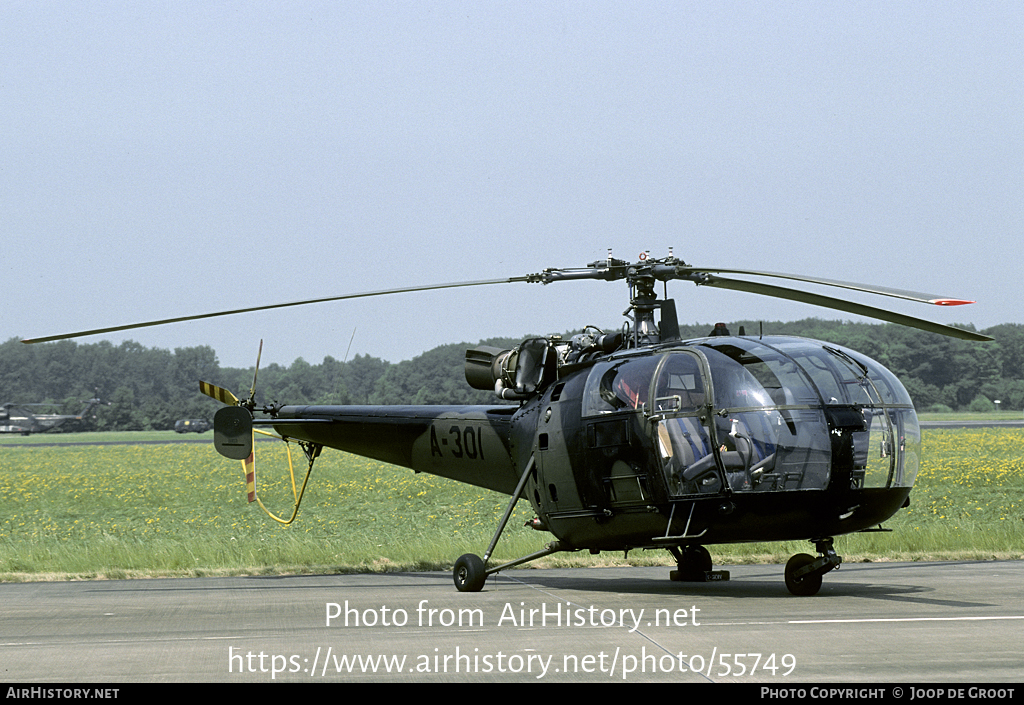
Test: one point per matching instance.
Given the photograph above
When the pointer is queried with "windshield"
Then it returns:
(622, 385)
(808, 376)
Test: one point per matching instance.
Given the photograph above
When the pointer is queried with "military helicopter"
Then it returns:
(636, 439)
(17, 418)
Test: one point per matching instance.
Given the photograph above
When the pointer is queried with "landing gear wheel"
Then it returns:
(694, 564)
(696, 561)
(469, 573)
(804, 585)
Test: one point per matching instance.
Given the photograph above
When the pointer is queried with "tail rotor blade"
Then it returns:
(249, 468)
(252, 390)
(219, 393)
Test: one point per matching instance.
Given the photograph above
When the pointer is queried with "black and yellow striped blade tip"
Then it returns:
(219, 393)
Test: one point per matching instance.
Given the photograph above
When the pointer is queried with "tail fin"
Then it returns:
(232, 432)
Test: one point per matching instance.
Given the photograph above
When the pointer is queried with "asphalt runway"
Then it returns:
(884, 623)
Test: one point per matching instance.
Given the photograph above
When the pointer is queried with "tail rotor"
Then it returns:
(232, 425)
(234, 438)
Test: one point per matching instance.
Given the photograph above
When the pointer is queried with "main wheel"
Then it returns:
(804, 585)
(469, 573)
(697, 559)
(694, 563)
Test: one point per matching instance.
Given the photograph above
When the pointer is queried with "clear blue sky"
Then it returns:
(169, 158)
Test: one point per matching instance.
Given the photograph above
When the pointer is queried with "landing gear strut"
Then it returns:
(471, 571)
(803, 572)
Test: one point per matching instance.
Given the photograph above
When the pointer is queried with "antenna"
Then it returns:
(349, 345)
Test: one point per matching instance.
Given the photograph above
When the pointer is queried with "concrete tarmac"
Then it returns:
(888, 623)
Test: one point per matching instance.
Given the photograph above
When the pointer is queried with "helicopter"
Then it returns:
(635, 439)
(16, 418)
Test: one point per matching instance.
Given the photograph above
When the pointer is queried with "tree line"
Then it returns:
(151, 388)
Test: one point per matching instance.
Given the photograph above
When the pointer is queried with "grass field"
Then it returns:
(179, 509)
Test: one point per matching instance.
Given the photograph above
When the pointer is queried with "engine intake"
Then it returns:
(512, 374)
(484, 366)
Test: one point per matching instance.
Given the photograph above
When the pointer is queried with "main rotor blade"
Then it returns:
(180, 319)
(871, 289)
(841, 305)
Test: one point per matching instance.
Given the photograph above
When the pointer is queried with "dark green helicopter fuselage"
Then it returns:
(718, 440)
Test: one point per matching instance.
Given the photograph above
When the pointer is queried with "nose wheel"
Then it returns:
(804, 572)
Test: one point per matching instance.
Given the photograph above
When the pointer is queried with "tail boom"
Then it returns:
(465, 443)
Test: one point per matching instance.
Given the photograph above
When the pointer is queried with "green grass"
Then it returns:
(179, 509)
(971, 416)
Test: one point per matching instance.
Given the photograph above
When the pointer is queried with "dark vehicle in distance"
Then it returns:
(192, 426)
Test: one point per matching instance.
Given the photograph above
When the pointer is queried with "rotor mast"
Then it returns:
(641, 277)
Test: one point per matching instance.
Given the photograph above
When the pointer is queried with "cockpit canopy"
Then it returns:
(783, 413)
(747, 373)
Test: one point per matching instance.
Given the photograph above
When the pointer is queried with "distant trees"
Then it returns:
(141, 388)
(149, 389)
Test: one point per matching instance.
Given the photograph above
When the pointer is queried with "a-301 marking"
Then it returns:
(460, 442)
